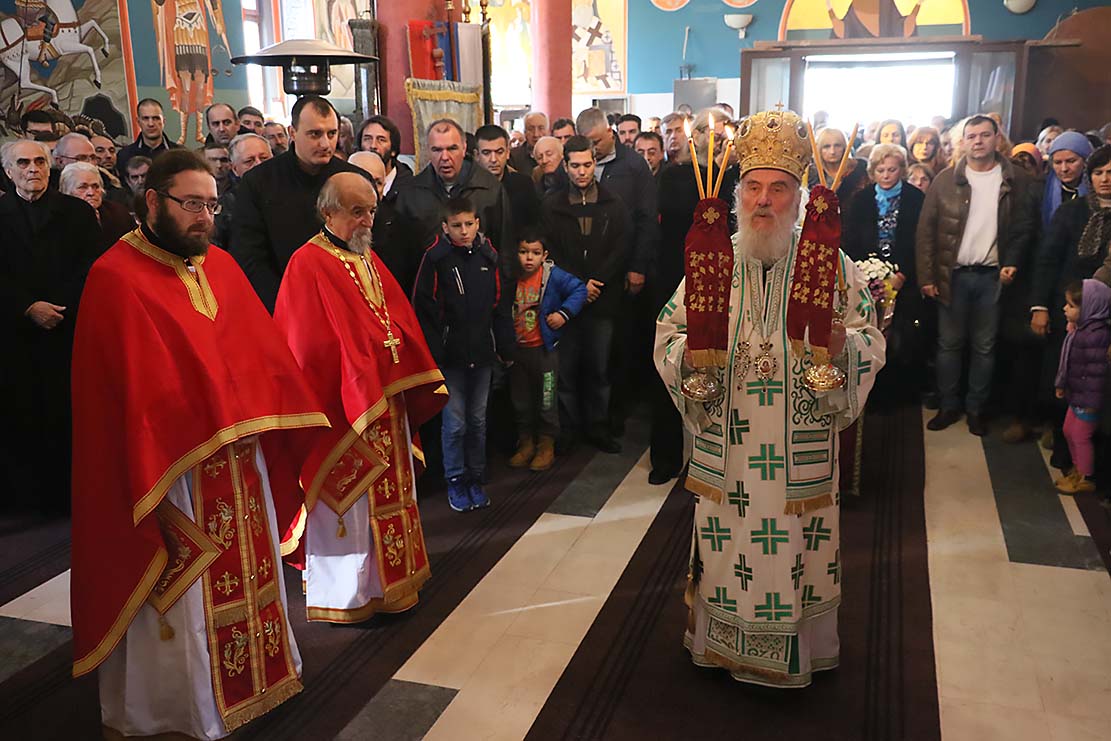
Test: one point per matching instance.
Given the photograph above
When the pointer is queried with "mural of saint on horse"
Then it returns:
(184, 50)
(868, 19)
(66, 54)
(598, 46)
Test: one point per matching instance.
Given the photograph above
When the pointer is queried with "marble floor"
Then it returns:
(1021, 606)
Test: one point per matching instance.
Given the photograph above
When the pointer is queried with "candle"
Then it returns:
(816, 154)
(694, 159)
(845, 158)
(710, 155)
(724, 160)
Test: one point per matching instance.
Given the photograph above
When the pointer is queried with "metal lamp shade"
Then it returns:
(306, 63)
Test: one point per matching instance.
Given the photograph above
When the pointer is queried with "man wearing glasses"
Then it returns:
(185, 400)
(49, 242)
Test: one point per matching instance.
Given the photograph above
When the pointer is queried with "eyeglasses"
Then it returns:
(90, 158)
(194, 205)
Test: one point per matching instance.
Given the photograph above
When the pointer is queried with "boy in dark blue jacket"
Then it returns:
(464, 309)
(546, 299)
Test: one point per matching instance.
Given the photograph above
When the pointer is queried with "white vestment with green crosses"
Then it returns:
(765, 585)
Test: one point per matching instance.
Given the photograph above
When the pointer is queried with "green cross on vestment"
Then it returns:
(740, 498)
(797, 570)
(766, 462)
(737, 428)
(862, 366)
(668, 310)
(808, 596)
(766, 391)
(715, 533)
(768, 537)
(721, 599)
(833, 568)
(815, 533)
(864, 308)
(773, 608)
(742, 571)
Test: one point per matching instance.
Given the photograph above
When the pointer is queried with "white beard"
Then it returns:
(360, 242)
(767, 246)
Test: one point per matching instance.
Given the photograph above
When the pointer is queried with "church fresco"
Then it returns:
(511, 52)
(66, 54)
(866, 19)
(598, 46)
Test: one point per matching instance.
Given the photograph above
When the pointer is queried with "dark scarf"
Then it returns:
(1097, 233)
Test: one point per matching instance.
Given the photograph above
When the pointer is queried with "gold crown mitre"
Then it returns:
(776, 140)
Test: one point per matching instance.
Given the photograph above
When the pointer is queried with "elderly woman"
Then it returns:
(1073, 248)
(831, 148)
(1065, 180)
(1046, 137)
(880, 221)
(83, 180)
(924, 148)
(548, 175)
(1027, 156)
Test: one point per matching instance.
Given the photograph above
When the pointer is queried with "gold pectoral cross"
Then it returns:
(391, 344)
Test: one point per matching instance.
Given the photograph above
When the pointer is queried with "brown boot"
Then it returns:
(525, 450)
(545, 454)
(1016, 432)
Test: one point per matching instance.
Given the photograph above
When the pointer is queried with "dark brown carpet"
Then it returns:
(344, 666)
(631, 678)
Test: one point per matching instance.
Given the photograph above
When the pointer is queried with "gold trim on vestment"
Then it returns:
(208, 552)
(227, 435)
(196, 283)
(107, 644)
(293, 543)
(702, 489)
(401, 598)
(312, 491)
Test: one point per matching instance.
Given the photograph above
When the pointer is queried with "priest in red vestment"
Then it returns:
(188, 409)
(361, 348)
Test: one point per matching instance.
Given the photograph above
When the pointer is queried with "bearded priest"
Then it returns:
(765, 574)
(186, 408)
(358, 341)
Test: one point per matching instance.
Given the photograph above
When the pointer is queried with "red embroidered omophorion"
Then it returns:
(814, 283)
(708, 254)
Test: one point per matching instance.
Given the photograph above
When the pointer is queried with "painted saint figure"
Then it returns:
(185, 55)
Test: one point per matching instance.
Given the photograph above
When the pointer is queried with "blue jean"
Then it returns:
(584, 374)
(972, 317)
(463, 434)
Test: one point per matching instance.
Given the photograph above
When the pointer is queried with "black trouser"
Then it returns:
(584, 380)
(666, 452)
(533, 386)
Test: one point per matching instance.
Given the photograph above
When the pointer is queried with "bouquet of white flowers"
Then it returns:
(880, 275)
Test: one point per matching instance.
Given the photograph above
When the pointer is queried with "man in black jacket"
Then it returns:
(420, 204)
(625, 174)
(152, 140)
(275, 203)
(588, 232)
(50, 240)
(380, 135)
(492, 143)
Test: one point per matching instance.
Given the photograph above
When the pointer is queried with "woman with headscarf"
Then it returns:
(1027, 156)
(924, 148)
(1075, 247)
(1065, 179)
(831, 148)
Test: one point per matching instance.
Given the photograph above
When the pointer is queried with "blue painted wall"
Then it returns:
(656, 36)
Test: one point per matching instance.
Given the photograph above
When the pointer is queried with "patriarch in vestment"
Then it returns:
(765, 575)
(187, 411)
(358, 341)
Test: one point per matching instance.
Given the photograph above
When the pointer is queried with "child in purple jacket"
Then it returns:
(1081, 375)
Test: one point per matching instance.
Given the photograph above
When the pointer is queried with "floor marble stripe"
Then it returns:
(46, 603)
(1021, 648)
(506, 645)
(23, 642)
(401, 711)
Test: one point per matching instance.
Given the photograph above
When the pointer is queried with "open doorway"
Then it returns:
(911, 87)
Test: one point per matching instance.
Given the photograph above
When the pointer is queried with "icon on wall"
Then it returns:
(598, 46)
(185, 54)
(867, 19)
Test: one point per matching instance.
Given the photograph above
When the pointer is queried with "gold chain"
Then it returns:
(391, 343)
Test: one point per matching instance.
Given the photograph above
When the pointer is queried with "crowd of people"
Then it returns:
(374, 321)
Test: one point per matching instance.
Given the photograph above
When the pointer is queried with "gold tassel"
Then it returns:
(341, 531)
(165, 631)
(802, 506)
